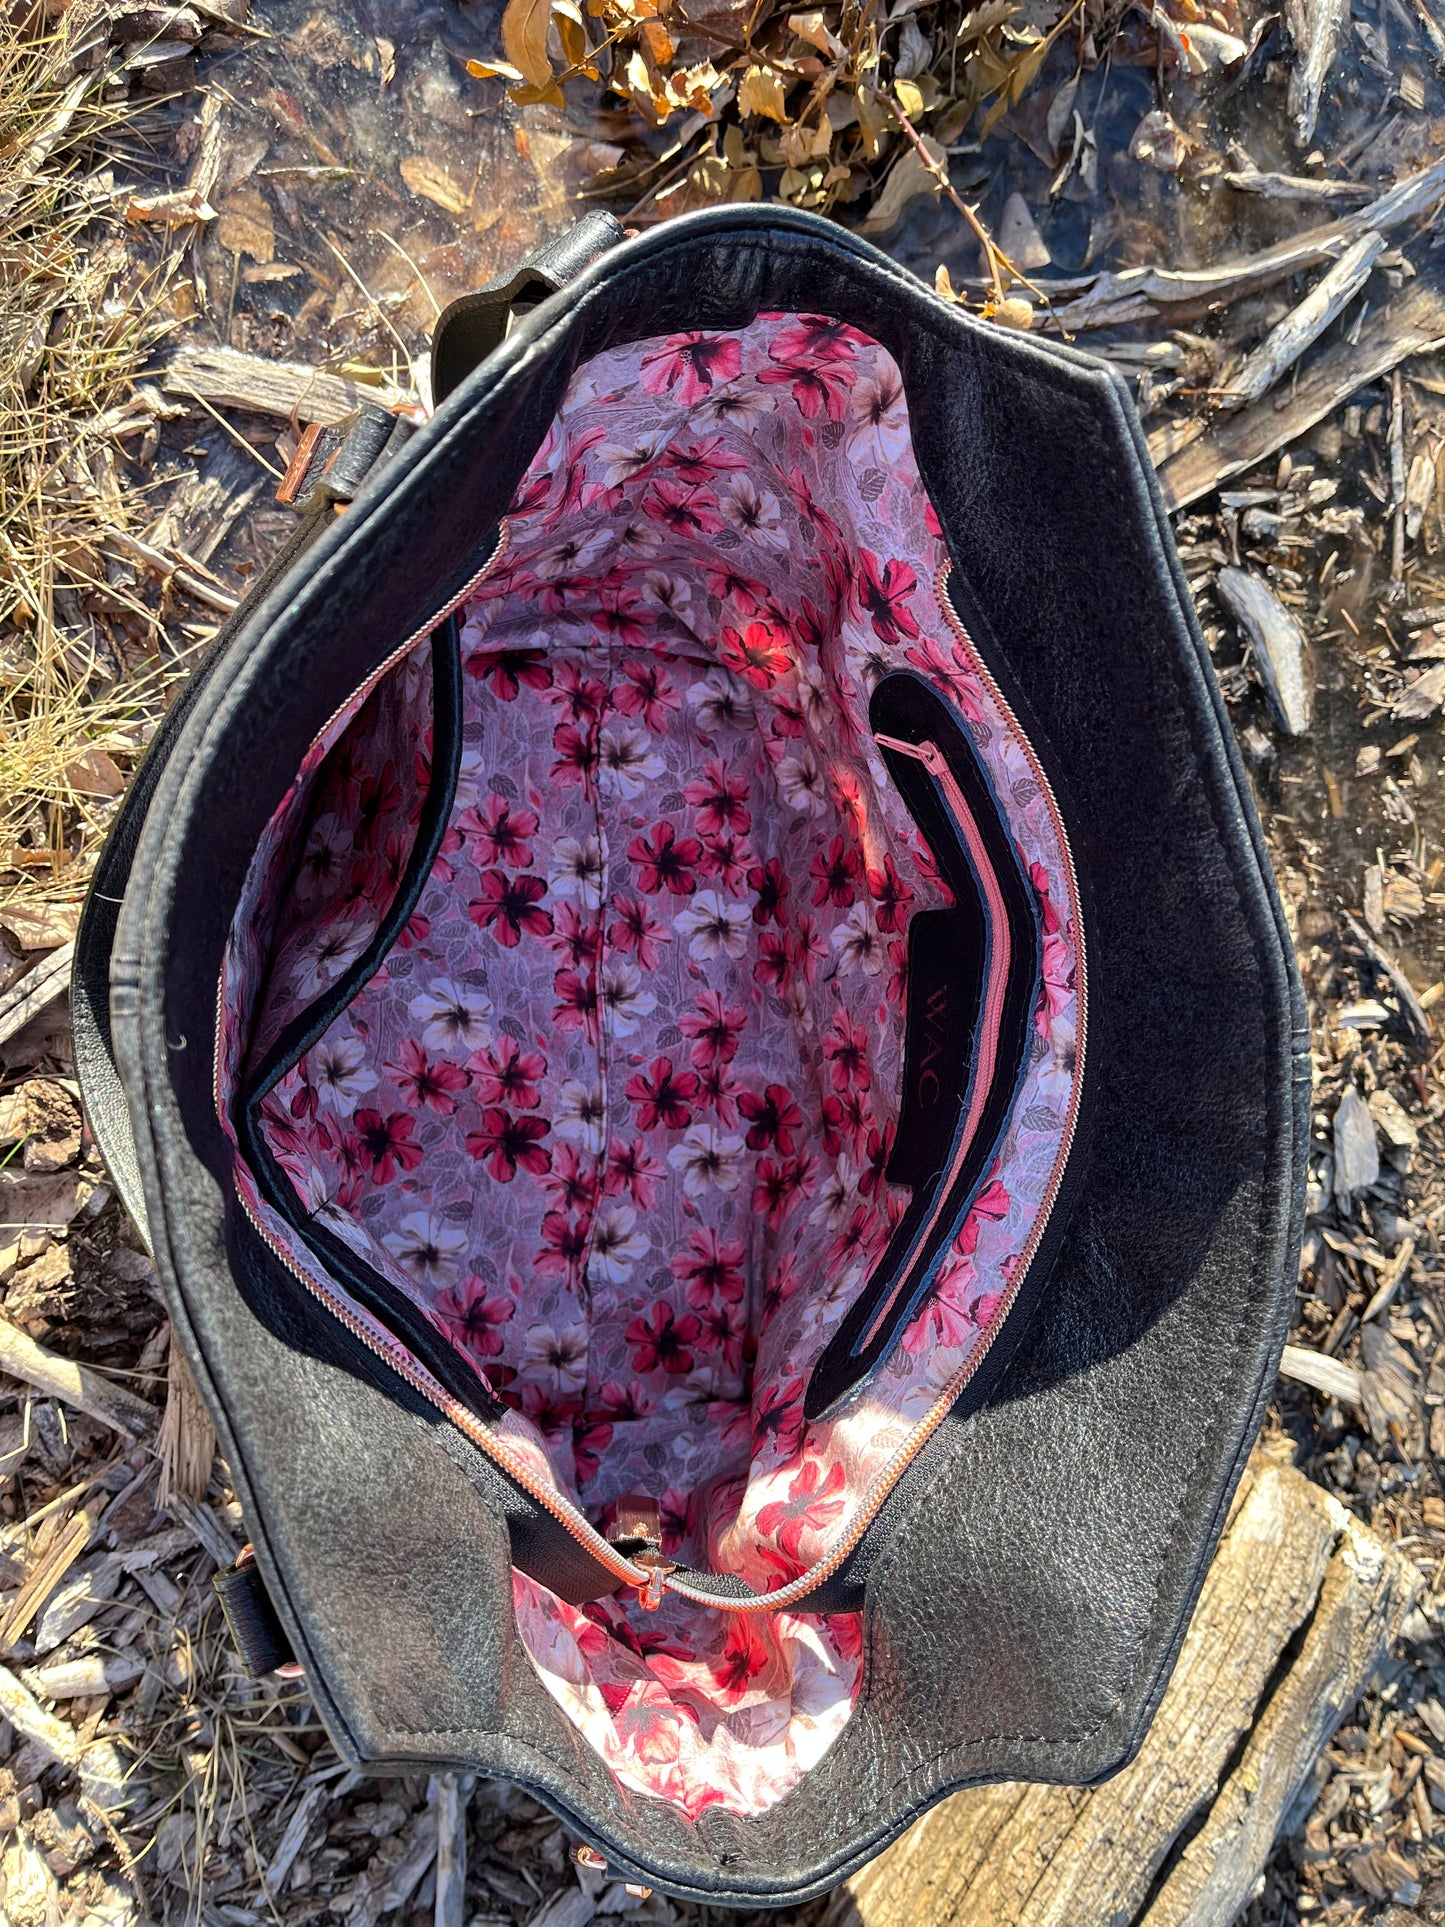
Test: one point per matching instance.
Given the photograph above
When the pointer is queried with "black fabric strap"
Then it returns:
(257, 1633)
(469, 330)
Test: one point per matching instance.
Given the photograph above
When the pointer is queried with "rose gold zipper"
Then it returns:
(406, 1367)
(395, 1355)
(651, 1584)
(807, 1582)
(1000, 956)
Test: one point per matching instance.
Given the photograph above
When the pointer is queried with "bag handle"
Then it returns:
(472, 327)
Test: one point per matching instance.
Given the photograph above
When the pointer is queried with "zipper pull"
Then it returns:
(926, 753)
(594, 1862)
(637, 1535)
(650, 1596)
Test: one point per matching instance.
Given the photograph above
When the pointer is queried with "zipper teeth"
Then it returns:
(568, 1515)
(396, 1356)
(929, 1424)
(352, 703)
(934, 761)
(358, 695)
(467, 1421)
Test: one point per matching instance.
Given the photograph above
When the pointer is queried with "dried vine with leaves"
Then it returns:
(826, 108)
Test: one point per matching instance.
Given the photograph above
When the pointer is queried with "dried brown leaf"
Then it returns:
(572, 31)
(908, 178)
(433, 183)
(524, 40)
(40, 926)
(492, 70)
(42, 1202)
(760, 91)
(993, 13)
(175, 209)
(95, 774)
(813, 29)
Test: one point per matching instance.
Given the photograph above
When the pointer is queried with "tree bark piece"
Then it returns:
(293, 1839)
(1034, 1856)
(450, 1795)
(227, 378)
(42, 983)
(1324, 1374)
(1314, 27)
(1278, 641)
(1412, 324)
(31, 1721)
(186, 1443)
(47, 1574)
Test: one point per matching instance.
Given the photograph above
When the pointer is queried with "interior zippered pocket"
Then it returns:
(974, 976)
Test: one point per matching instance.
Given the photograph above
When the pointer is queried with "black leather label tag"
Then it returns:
(945, 979)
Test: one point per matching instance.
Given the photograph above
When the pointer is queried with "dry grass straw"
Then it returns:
(81, 676)
(186, 1443)
(201, 1746)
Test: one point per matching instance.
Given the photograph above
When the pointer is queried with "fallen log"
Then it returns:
(1179, 1838)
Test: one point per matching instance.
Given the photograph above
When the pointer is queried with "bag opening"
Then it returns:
(654, 1019)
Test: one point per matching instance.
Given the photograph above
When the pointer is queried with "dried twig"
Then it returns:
(35, 991)
(47, 1574)
(1324, 1374)
(1304, 324)
(1113, 299)
(939, 173)
(77, 1385)
(1412, 324)
(1397, 486)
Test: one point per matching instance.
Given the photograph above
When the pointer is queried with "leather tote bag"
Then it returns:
(693, 1003)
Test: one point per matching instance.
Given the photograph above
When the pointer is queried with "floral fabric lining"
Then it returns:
(615, 1112)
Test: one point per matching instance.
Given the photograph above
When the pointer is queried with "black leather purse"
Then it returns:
(693, 1003)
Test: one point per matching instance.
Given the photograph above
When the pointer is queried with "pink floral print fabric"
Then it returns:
(616, 1110)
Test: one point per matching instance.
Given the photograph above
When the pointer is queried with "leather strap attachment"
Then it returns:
(256, 1631)
(471, 328)
(332, 462)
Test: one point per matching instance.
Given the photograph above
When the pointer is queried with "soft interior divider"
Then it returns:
(613, 1112)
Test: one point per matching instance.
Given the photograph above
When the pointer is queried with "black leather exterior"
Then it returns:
(1026, 1587)
(105, 1100)
(472, 327)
